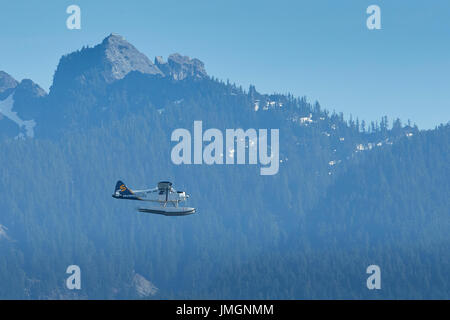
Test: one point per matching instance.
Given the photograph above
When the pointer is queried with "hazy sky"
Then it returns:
(320, 49)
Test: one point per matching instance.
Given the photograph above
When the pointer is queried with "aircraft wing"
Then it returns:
(163, 201)
(146, 191)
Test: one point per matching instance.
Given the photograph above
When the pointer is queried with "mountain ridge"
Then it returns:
(113, 59)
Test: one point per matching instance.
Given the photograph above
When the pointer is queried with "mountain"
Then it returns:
(113, 59)
(181, 67)
(19, 106)
(347, 194)
(96, 72)
(7, 83)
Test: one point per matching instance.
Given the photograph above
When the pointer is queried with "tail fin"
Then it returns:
(122, 189)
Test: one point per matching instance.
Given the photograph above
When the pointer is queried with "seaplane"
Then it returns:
(164, 194)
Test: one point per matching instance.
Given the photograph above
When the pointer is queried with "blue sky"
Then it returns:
(319, 49)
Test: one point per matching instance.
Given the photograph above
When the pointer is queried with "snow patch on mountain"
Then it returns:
(3, 234)
(6, 109)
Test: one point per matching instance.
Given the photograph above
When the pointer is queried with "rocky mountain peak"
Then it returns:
(181, 67)
(112, 60)
(122, 57)
(3, 234)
